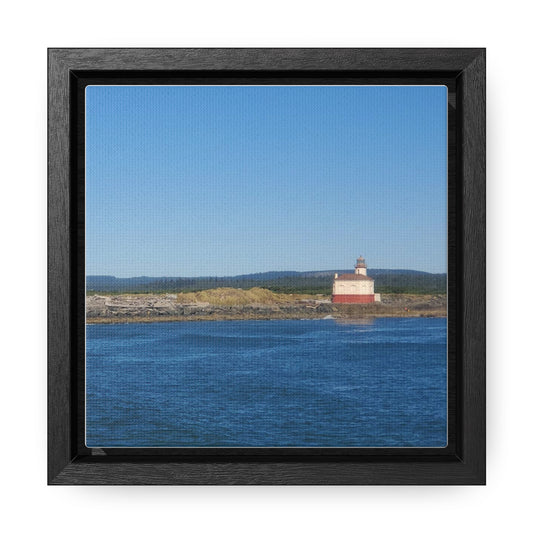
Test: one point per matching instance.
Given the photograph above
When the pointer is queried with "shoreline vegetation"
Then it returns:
(251, 304)
(283, 282)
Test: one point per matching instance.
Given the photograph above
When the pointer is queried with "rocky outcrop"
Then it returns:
(156, 307)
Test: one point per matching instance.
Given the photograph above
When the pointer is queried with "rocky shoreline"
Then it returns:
(102, 309)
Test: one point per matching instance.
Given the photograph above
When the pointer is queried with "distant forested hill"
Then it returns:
(320, 282)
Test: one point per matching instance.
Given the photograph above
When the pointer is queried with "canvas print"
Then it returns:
(266, 266)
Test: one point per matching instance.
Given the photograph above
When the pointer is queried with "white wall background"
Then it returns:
(28, 28)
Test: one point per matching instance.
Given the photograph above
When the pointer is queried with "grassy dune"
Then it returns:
(228, 296)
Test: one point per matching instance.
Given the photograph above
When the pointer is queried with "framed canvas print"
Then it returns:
(266, 266)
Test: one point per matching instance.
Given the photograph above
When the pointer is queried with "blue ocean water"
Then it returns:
(267, 383)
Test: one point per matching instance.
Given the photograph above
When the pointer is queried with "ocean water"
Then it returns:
(267, 383)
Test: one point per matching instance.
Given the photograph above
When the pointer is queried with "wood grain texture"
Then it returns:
(263, 473)
(68, 460)
(472, 89)
(59, 272)
(270, 59)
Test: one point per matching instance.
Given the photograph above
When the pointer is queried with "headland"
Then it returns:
(251, 304)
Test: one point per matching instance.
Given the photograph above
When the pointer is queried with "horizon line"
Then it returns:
(254, 273)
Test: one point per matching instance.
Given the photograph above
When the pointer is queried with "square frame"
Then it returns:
(70, 463)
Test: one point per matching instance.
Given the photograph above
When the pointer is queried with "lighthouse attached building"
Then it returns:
(356, 288)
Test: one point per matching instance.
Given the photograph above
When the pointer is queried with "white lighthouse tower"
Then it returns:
(360, 266)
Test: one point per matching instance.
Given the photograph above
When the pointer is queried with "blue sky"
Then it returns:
(213, 181)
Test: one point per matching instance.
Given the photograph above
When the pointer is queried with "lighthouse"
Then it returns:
(356, 288)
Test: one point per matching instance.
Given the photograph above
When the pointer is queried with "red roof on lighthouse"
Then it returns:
(354, 277)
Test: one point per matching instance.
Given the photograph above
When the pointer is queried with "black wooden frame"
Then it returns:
(462, 462)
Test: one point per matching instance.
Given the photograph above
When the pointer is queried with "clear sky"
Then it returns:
(214, 181)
